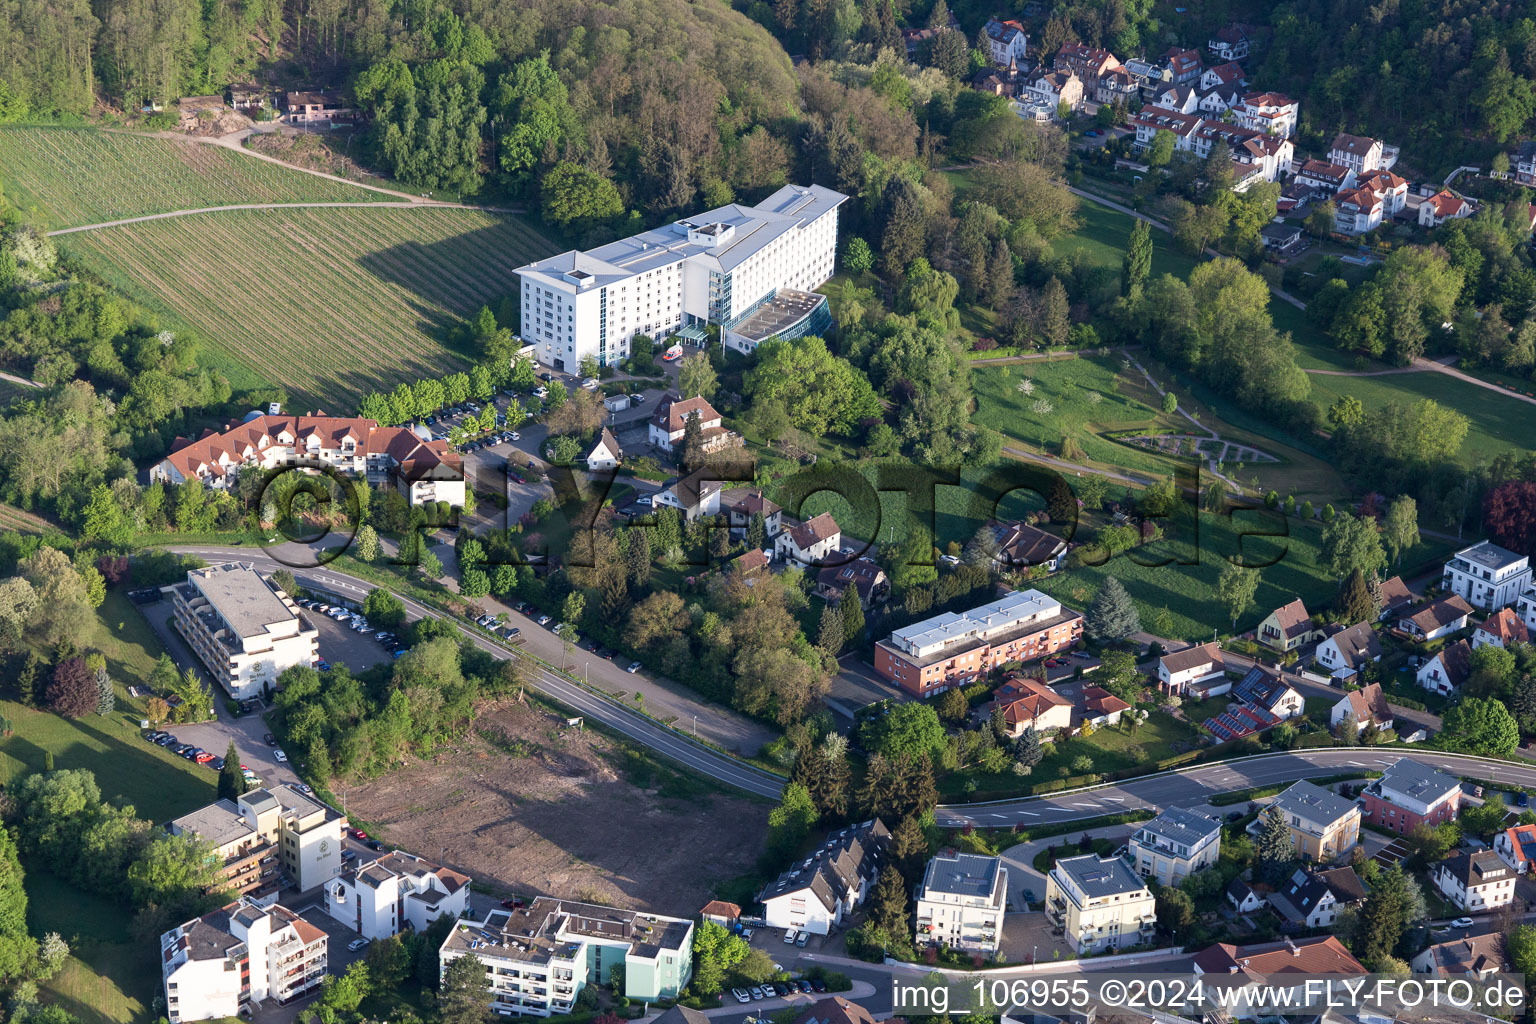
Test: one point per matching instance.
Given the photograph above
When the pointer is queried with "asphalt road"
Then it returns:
(659, 738)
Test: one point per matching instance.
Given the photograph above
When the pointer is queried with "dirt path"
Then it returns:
(1442, 365)
(260, 206)
(19, 380)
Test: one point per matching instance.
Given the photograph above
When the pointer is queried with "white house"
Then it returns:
(1389, 188)
(1446, 669)
(1006, 42)
(1367, 705)
(1174, 845)
(1501, 629)
(1099, 903)
(812, 541)
(1264, 689)
(961, 903)
(605, 452)
(1230, 43)
(824, 888)
(1227, 74)
(1179, 671)
(1272, 113)
(1487, 576)
(1356, 211)
(242, 627)
(1305, 900)
(1242, 896)
(694, 495)
(669, 424)
(1443, 206)
(1477, 881)
(243, 954)
(1349, 650)
(1436, 619)
(1361, 154)
(1324, 178)
(711, 267)
(1517, 845)
(379, 897)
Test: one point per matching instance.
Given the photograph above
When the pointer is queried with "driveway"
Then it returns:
(857, 684)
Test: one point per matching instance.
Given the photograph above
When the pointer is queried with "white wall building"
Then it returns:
(823, 889)
(244, 629)
(1487, 576)
(711, 267)
(239, 956)
(1476, 881)
(304, 832)
(813, 541)
(1203, 663)
(961, 903)
(1006, 41)
(1361, 154)
(1100, 903)
(1174, 845)
(379, 897)
(1272, 113)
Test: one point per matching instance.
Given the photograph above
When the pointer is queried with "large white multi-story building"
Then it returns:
(715, 267)
(378, 898)
(1174, 845)
(241, 955)
(1487, 576)
(263, 830)
(537, 959)
(961, 903)
(822, 890)
(1099, 903)
(242, 626)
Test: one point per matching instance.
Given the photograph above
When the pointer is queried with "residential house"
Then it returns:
(1501, 629)
(1487, 576)
(1305, 901)
(1242, 976)
(242, 955)
(1447, 669)
(422, 470)
(1028, 703)
(1475, 882)
(1436, 619)
(1356, 211)
(1243, 897)
(1149, 75)
(1100, 707)
(1196, 666)
(1523, 163)
(1010, 81)
(1343, 654)
(267, 832)
(721, 913)
(742, 505)
(1183, 65)
(833, 1010)
(1174, 845)
(1473, 957)
(961, 903)
(1527, 609)
(1100, 903)
(750, 562)
(824, 888)
(1055, 89)
(1361, 154)
(1006, 41)
(864, 575)
(1517, 845)
(669, 423)
(246, 97)
(1347, 888)
(1182, 99)
(1266, 690)
(812, 542)
(381, 897)
(1367, 706)
(1272, 113)
(1255, 156)
(1325, 179)
(1020, 545)
(1229, 74)
(316, 108)
(1281, 239)
(1395, 596)
(1408, 795)
(1230, 43)
(1088, 63)
(1115, 86)
(538, 958)
(1387, 187)
(605, 452)
(955, 648)
(242, 627)
(193, 111)
(693, 495)
(1443, 206)
(1286, 628)
(1323, 824)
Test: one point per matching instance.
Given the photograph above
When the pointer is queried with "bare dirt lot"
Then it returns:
(531, 806)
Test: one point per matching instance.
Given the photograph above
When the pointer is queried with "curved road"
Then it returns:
(660, 738)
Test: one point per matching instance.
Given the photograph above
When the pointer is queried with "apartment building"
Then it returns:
(539, 958)
(421, 469)
(1272, 113)
(1361, 155)
(301, 833)
(1174, 845)
(243, 628)
(1477, 881)
(1323, 825)
(710, 268)
(961, 903)
(1006, 41)
(1089, 63)
(379, 897)
(1100, 903)
(824, 888)
(242, 955)
(954, 648)
(1410, 794)
(1487, 576)
(1249, 983)
(1356, 211)
(1256, 156)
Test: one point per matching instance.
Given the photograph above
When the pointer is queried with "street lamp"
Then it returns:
(695, 726)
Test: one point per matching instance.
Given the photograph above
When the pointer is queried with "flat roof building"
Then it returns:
(1174, 845)
(241, 955)
(267, 831)
(243, 628)
(961, 903)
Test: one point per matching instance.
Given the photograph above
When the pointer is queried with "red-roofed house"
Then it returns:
(1441, 207)
(810, 542)
(1389, 188)
(1272, 113)
(670, 421)
(1183, 65)
(1090, 63)
(1237, 971)
(1228, 74)
(1101, 707)
(1356, 211)
(1028, 702)
(1517, 845)
(1006, 41)
(1501, 629)
(862, 574)
(1287, 627)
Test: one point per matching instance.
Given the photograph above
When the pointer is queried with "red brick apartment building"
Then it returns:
(1410, 794)
(952, 649)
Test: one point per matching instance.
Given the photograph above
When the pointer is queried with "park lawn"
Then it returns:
(128, 770)
(69, 177)
(1180, 601)
(347, 301)
(1497, 422)
(1101, 237)
(109, 978)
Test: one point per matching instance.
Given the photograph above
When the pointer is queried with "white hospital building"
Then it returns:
(242, 626)
(715, 267)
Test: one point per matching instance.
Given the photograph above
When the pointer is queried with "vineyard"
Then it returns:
(14, 520)
(66, 177)
(330, 304)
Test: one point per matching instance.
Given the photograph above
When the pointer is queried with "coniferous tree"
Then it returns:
(637, 558)
(106, 699)
(852, 611)
(909, 849)
(829, 636)
(1112, 615)
(888, 903)
(877, 791)
(1027, 750)
(916, 790)
(1137, 265)
(27, 679)
(1355, 603)
(757, 532)
(1274, 847)
(231, 780)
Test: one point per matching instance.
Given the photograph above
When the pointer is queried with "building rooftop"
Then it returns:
(220, 823)
(1416, 781)
(964, 874)
(1182, 826)
(1313, 803)
(1490, 556)
(776, 314)
(1325, 955)
(1192, 657)
(242, 598)
(1480, 867)
(837, 865)
(1099, 876)
(952, 626)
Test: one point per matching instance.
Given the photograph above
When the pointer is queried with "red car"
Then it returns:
(358, 833)
(204, 757)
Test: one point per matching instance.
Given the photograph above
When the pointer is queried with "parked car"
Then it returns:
(544, 620)
(357, 944)
(636, 399)
(789, 936)
(634, 667)
(279, 756)
(359, 834)
(217, 764)
(803, 985)
(818, 985)
(323, 665)
(515, 436)
(741, 995)
(1462, 922)
(803, 939)
(757, 993)
(347, 855)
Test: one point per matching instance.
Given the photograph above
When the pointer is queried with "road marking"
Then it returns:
(1089, 806)
(997, 815)
(1030, 814)
(1115, 799)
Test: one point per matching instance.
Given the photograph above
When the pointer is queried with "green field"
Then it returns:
(1102, 235)
(67, 177)
(109, 978)
(331, 304)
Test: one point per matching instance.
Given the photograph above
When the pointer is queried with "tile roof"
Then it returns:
(1227, 73)
(1262, 688)
(1357, 645)
(1099, 701)
(1507, 626)
(837, 865)
(750, 561)
(606, 440)
(812, 531)
(1438, 614)
(862, 573)
(751, 503)
(1522, 838)
(1022, 544)
(214, 451)
(1394, 592)
(1325, 955)
(1457, 661)
(1344, 883)
(1299, 897)
(1368, 704)
(1325, 171)
(1022, 700)
(1354, 145)
(719, 908)
(1472, 954)
(1479, 867)
(835, 1010)
(1446, 204)
(1192, 657)
(694, 489)
(673, 412)
(1293, 619)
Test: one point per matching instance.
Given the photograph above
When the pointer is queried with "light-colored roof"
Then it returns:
(1182, 825)
(241, 597)
(1417, 781)
(1021, 604)
(1101, 876)
(1313, 803)
(964, 874)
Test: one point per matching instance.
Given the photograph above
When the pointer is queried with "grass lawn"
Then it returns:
(347, 301)
(158, 784)
(1102, 235)
(108, 978)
